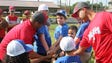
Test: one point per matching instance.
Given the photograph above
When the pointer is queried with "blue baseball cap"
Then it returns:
(61, 12)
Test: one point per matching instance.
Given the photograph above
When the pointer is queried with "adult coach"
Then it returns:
(24, 31)
(98, 34)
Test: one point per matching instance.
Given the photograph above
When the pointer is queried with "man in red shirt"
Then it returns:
(24, 31)
(98, 34)
(12, 19)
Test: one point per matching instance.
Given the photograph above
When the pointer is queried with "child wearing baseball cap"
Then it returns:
(42, 37)
(60, 31)
(17, 52)
(62, 28)
(72, 31)
(68, 46)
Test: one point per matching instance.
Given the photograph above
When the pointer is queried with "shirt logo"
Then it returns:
(95, 30)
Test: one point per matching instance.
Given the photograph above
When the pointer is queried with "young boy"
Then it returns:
(72, 30)
(61, 30)
(85, 56)
(68, 46)
(17, 52)
(42, 38)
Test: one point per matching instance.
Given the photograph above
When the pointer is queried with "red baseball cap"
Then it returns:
(27, 12)
(11, 8)
(1, 11)
(79, 6)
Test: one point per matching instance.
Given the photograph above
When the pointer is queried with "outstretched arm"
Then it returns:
(80, 50)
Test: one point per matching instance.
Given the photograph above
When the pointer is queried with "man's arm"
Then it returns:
(80, 50)
(77, 40)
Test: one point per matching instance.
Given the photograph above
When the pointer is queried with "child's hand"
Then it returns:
(51, 52)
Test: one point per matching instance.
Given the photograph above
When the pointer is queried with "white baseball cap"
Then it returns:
(17, 47)
(67, 44)
(43, 7)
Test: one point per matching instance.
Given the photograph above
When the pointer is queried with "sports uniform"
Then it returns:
(99, 35)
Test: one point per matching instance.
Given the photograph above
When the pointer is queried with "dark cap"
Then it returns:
(79, 6)
(61, 12)
(40, 17)
(1, 11)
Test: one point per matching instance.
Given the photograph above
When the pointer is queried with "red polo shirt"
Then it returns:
(23, 31)
(99, 35)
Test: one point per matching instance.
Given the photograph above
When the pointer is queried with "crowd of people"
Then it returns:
(28, 40)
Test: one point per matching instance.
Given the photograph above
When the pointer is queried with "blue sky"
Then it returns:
(74, 1)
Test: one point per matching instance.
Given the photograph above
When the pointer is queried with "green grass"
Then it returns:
(52, 28)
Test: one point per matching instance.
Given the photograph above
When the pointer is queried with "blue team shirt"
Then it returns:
(68, 59)
(38, 47)
(80, 33)
(61, 30)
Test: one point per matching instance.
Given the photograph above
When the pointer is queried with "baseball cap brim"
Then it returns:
(79, 6)
(28, 47)
(74, 15)
(60, 14)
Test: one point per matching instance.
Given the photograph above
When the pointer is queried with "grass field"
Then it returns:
(51, 30)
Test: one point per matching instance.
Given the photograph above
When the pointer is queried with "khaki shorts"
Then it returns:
(85, 57)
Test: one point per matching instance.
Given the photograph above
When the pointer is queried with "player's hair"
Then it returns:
(67, 52)
(73, 27)
(62, 15)
(39, 17)
(23, 58)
